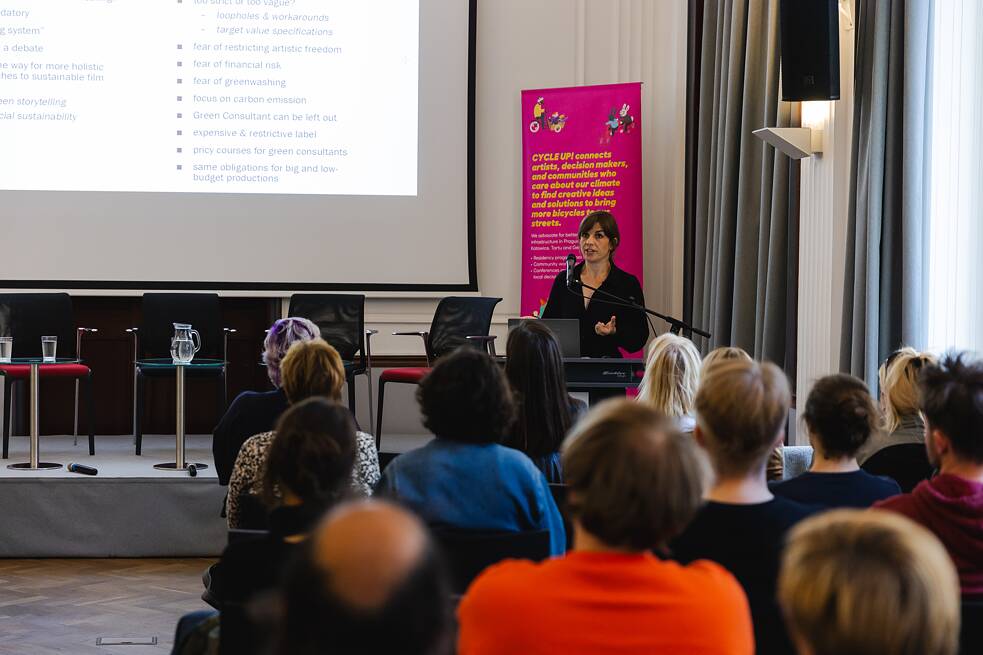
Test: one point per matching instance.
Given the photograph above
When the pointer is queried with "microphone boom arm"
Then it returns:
(675, 325)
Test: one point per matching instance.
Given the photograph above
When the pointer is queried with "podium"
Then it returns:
(593, 373)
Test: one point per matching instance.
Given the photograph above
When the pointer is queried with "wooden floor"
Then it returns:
(63, 605)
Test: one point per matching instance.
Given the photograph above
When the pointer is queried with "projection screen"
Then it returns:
(255, 145)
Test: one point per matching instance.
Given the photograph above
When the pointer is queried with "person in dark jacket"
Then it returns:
(839, 416)
(605, 324)
(253, 412)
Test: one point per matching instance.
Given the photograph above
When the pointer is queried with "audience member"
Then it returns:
(253, 412)
(368, 583)
(310, 369)
(634, 482)
(840, 416)
(724, 353)
(775, 468)
(310, 463)
(544, 410)
(867, 582)
(308, 468)
(741, 410)
(951, 503)
(672, 375)
(465, 479)
(898, 451)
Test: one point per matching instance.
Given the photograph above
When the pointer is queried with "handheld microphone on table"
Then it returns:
(82, 468)
(571, 261)
(192, 470)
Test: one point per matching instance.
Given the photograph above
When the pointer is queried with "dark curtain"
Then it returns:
(741, 216)
(884, 295)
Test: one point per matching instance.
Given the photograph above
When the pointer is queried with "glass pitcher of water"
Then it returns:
(185, 344)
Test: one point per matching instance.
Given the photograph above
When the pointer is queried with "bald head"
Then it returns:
(366, 550)
(368, 583)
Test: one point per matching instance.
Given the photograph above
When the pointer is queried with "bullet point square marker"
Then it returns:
(180, 149)
(179, 46)
(179, 166)
(179, 98)
(179, 63)
(179, 132)
(179, 80)
(179, 115)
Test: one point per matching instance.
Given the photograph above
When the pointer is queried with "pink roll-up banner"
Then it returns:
(581, 151)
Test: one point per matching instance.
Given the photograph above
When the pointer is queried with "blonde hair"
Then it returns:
(672, 376)
(871, 581)
(312, 368)
(898, 380)
(741, 408)
(724, 353)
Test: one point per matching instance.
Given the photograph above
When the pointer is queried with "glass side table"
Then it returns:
(179, 463)
(34, 398)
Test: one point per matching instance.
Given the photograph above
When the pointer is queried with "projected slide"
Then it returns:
(210, 96)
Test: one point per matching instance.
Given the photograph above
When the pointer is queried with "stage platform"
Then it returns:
(130, 509)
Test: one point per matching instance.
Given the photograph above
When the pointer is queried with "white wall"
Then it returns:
(824, 202)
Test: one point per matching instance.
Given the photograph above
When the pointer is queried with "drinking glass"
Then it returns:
(48, 347)
(6, 349)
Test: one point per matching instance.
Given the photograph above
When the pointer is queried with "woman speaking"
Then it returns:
(606, 323)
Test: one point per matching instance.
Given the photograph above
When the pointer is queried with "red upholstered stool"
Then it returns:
(458, 321)
(25, 317)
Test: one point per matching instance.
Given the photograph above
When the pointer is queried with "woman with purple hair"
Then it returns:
(253, 412)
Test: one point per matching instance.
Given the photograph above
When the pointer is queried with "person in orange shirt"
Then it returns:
(634, 482)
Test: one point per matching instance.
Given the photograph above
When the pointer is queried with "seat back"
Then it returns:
(339, 316)
(459, 317)
(162, 310)
(971, 632)
(559, 492)
(28, 316)
(907, 464)
(469, 552)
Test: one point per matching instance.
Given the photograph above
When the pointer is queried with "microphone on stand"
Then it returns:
(571, 261)
(82, 468)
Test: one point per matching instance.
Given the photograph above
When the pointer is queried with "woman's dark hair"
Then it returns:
(534, 368)
(605, 220)
(465, 397)
(841, 414)
(312, 453)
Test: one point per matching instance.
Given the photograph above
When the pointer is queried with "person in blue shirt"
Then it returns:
(465, 478)
(840, 416)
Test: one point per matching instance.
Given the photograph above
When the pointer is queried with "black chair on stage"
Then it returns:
(153, 340)
(469, 552)
(27, 317)
(458, 321)
(341, 319)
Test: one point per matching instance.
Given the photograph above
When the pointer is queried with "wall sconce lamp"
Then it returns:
(796, 142)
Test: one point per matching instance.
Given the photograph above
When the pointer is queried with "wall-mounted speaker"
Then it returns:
(810, 47)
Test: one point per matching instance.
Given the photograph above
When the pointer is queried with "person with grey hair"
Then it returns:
(253, 412)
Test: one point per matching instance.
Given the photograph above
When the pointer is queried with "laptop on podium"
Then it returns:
(566, 331)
